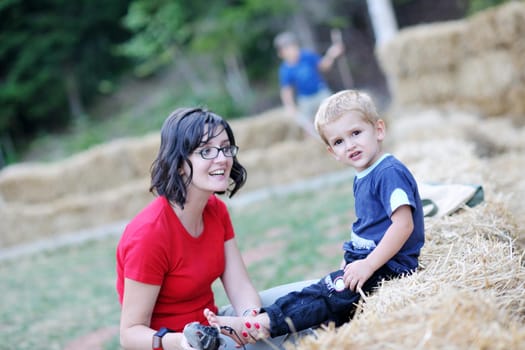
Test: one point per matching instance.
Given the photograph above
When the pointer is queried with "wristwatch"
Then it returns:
(157, 338)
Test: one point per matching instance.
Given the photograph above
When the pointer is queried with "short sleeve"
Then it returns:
(144, 257)
(395, 190)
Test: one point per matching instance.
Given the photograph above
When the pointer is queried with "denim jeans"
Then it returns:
(321, 302)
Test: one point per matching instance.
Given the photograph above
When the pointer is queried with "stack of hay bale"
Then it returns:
(478, 63)
(100, 186)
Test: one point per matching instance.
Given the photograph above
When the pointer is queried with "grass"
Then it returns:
(51, 298)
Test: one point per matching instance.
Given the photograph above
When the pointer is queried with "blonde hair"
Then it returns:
(341, 103)
(285, 39)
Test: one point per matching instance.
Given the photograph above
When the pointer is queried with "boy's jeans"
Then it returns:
(324, 301)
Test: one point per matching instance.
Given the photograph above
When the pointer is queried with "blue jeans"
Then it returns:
(321, 302)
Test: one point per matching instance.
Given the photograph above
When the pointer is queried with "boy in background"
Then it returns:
(300, 78)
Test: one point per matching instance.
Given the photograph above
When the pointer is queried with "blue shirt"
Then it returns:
(379, 191)
(303, 76)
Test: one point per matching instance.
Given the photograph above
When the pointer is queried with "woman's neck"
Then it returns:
(191, 215)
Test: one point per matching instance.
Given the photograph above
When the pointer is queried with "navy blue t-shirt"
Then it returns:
(304, 75)
(379, 191)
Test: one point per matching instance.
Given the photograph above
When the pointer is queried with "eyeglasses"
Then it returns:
(213, 152)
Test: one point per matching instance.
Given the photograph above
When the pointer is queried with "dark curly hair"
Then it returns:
(182, 132)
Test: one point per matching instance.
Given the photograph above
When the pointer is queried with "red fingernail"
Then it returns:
(254, 312)
(244, 334)
(248, 325)
(257, 326)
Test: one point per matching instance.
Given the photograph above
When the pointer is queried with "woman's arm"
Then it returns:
(137, 307)
(237, 284)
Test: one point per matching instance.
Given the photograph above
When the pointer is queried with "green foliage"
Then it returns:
(480, 5)
(132, 121)
(158, 26)
(163, 29)
(46, 44)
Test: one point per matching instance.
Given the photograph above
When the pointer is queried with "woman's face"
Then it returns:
(210, 175)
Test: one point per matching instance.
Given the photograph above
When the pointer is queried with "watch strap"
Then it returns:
(157, 338)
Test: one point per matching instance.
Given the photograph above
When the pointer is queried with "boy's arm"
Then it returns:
(288, 99)
(358, 272)
(333, 52)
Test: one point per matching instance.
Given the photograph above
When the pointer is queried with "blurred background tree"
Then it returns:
(58, 58)
(53, 56)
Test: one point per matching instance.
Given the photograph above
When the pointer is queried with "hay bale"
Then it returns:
(484, 80)
(476, 64)
(422, 48)
(428, 89)
(420, 125)
(447, 161)
(286, 162)
(516, 100)
(510, 22)
(456, 147)
(510, 180)
(470, 292)
(100, 168)
(494, 28)
(22, 223)
(264, 130)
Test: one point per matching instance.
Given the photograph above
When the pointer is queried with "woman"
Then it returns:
(175, 248)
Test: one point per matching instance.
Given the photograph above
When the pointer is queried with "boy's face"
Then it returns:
(289, 53)
(354, 141)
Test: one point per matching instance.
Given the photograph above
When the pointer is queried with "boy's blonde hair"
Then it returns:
(285, 39)
(341, 103)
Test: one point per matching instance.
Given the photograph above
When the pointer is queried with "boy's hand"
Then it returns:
(357, 273)
(335, 50)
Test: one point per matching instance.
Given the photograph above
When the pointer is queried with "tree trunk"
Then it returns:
(343, 66)
(76, 107)
(303, 29)
(7, 150)
(237, 83)
(186, 70)
(383, 20)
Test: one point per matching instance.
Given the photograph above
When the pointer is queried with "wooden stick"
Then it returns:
(342, 63)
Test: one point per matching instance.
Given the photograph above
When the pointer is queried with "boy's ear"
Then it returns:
(380, 129)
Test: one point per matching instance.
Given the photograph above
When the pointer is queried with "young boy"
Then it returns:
(385, 240)
(300, 77)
